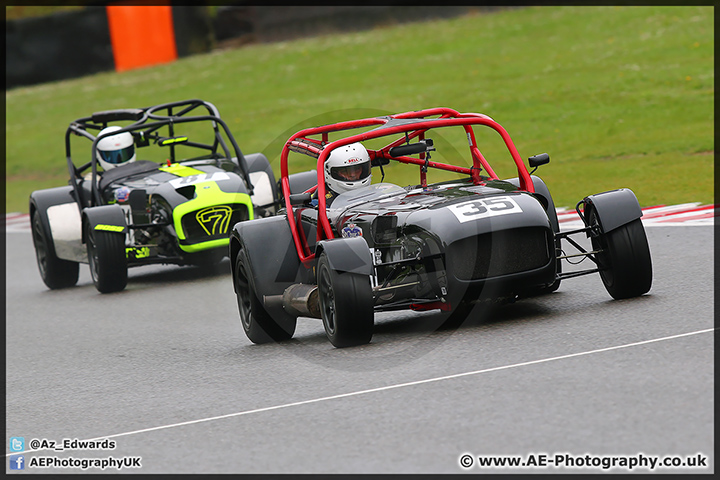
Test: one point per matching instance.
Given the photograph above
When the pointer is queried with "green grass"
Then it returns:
(618, 96)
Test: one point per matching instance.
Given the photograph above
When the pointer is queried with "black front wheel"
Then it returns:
(624, 261)
(108, 263)
(55, 272)
(346, 305)
(258, 324)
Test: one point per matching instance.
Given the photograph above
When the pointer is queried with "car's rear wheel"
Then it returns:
(55, 272)
(258, 324)
(108, 263)
(346, 305)
(624, 260)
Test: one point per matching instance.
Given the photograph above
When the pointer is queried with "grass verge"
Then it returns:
(618, 96)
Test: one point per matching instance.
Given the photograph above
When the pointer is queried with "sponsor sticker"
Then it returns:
(122, 194)
(351, 230)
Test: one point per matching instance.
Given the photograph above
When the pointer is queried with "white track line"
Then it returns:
(382, 389)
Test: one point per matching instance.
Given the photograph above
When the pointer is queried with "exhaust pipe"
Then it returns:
(299, 299)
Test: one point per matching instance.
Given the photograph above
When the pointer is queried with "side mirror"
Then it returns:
(412, 148)
(539, 159)
(163, 142)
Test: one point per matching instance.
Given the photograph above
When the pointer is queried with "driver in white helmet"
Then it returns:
(346, 168)
(115, 150)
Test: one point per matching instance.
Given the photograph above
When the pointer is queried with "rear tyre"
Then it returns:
(55, 273)
(108, 263)
(259, 326)
(346, 305)
(624, 262)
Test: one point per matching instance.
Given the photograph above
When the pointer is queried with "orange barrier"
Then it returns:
(141, 35)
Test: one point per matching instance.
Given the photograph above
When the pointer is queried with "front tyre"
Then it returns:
(55, 273)
(258, 324)
(346, 305)
(106, 256)
(624, 261)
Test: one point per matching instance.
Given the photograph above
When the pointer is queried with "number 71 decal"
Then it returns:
(484, 207)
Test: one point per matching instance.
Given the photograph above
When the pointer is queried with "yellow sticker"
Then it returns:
(138, 252)
(181, 170)
(109, 228)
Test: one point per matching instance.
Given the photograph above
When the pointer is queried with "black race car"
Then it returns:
(171, 203)
(443, 245)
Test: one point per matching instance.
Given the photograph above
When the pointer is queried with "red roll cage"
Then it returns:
(409, 125)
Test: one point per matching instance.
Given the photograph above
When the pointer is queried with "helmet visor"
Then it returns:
(116, 157)
(351, 173)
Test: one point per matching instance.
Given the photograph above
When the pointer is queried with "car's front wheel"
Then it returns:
(258, 324)
(106, 256)
(55, 272)
(346, 305)
(624, 258)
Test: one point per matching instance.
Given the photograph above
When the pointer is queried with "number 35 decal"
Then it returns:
(484, 207)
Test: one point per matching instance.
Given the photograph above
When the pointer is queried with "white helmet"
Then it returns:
(347, 168)
(115, 150)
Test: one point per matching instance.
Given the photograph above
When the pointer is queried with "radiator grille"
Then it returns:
(499, 253)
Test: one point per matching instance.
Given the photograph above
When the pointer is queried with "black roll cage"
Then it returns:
(147, 121)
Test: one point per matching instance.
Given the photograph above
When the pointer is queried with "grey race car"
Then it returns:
(443, 245)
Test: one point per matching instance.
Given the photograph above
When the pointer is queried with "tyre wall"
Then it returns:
(34, 53)
(76, 43)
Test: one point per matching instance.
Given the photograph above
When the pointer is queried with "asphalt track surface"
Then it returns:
(165, 371)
